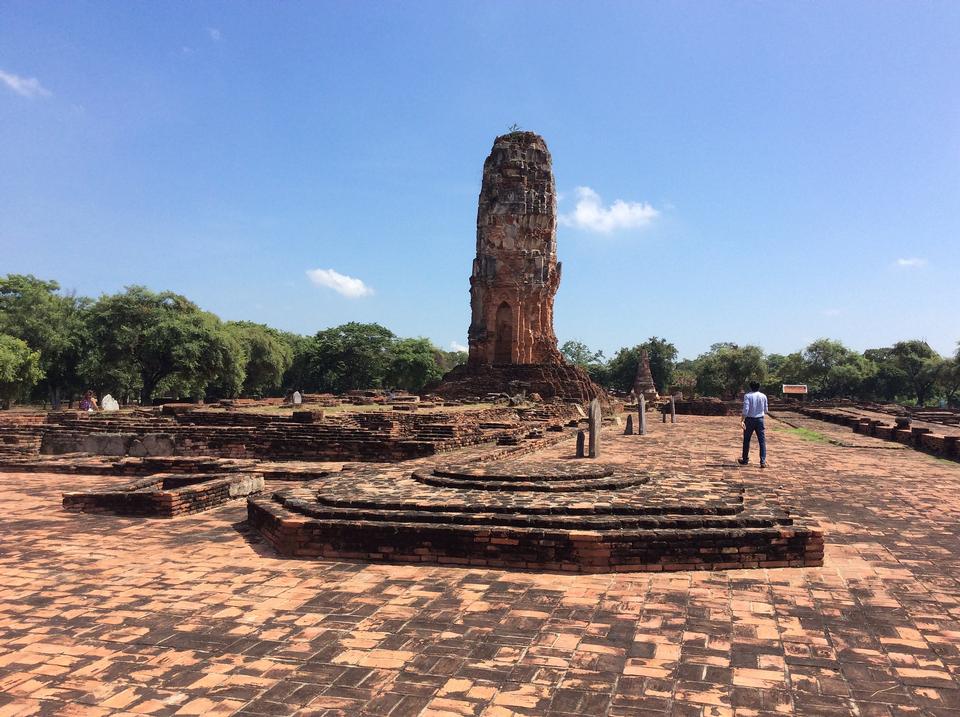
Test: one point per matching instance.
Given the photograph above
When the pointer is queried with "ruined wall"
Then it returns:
(515, 273)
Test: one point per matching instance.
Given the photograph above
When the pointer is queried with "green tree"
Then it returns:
(225, 361)
(412, 364)
(727, 368)
(19, 369)
(268, 356)
(349, 357)
(32, 310)
(296, 377)
(827, 367)
(949, 379)
(920, 365)
(579, 354)
(888, 382)
(622, 368)
(451, 359)
(663, 359)
(141, 339)
(594, 363)
(831, 369)
(686, 381)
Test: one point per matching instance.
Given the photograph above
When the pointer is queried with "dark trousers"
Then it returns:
(754, 425)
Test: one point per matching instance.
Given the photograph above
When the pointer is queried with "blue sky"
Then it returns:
(784, 171)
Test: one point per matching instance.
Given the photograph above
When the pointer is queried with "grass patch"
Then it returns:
(944, 461)
(807, 435)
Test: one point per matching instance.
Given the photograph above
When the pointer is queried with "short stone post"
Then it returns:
(594, 418)
(643, 415)
(581, 440)
(628, 431)
(673, 410)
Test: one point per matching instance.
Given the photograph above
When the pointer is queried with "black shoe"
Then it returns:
(763, 464)
(742, 462)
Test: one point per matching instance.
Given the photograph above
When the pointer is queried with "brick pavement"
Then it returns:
(104, 615)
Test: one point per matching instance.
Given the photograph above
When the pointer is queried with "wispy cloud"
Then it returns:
(592, 215)
(454, 346)
(29, 87)
(912, 262)
(831, 312)
(344, 285)
(214, 34)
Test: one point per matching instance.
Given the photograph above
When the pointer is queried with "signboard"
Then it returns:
(794, 388)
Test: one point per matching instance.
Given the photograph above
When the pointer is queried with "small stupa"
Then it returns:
(643, 384)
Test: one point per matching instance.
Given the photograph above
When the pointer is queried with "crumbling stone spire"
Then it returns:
(515, 273)
(643, 384)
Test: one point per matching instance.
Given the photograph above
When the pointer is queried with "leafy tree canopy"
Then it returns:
(267, 354)
(19, 368)
(52, 324)
(349, 357)
(140, 338)
(413, 364)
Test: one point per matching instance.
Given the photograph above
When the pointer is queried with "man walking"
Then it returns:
(754, 408)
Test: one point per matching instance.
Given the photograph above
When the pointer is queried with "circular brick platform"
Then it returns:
(557, 515)
(552, 477)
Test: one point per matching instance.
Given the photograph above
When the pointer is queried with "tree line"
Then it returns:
(139, 345)
(907, 372)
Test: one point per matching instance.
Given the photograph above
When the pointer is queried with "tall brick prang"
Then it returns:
(514, 280)
(515, 273)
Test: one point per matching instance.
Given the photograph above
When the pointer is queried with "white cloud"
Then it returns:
(912, 262)
(345, 285)
(590, 214)
(27, 86)
(831, 312)
(215, 34)
(454, 346)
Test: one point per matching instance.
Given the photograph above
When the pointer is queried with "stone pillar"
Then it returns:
(628, 431)
(642, 408)
(581, 440)
(673, 410)
(595, 420)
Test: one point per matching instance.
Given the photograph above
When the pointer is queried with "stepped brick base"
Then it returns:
(569, 383)
(544, 516)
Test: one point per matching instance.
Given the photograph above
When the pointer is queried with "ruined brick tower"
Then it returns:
(514, 280)
(516, 272)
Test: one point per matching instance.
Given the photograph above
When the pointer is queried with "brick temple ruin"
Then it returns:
(443, 478)
(489, 510)
(516, 274)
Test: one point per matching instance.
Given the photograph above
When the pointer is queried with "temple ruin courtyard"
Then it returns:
(103, 614)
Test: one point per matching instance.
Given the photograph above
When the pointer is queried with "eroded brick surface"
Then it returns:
(105, 615)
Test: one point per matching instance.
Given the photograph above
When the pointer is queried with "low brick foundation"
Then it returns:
(166, 495)
(371, 436)
(924, 439)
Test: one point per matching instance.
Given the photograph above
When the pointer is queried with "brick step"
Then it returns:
(323, 512)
